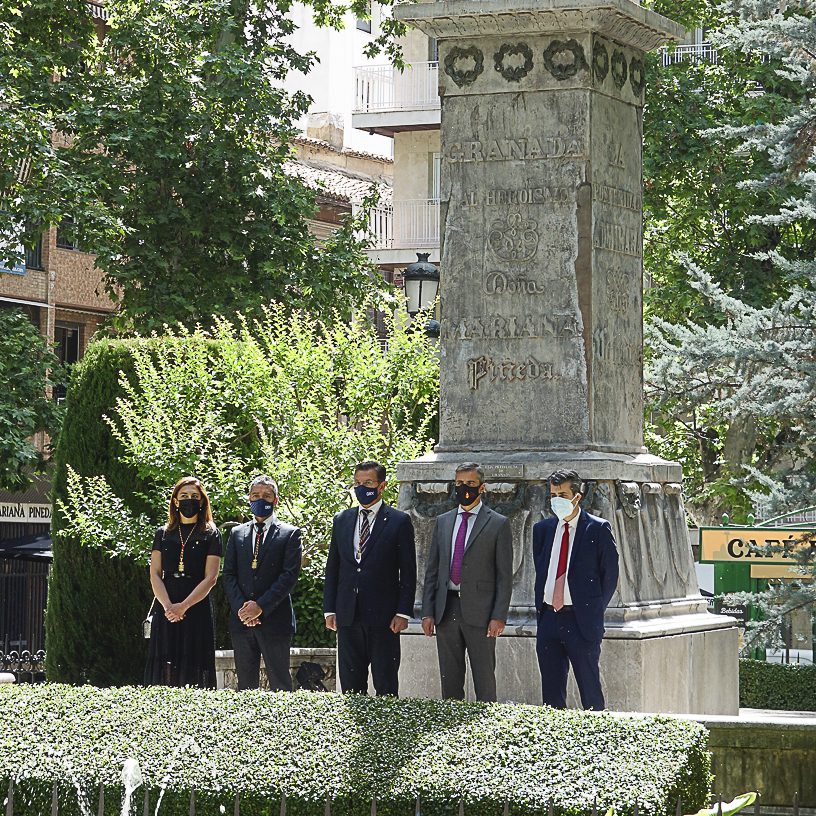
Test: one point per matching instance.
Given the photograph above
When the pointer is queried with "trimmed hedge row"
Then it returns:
(785, 687)
(310, 745)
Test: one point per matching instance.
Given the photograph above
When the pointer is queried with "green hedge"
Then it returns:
(95, 603)
(777, 686)
(310, 745)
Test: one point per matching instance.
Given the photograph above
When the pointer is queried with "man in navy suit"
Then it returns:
(261, 568)
(368, 595)
(576, 565)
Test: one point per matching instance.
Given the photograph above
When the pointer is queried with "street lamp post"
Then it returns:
(421, 288)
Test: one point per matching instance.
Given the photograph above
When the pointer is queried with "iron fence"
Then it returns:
(715, 805)
(27, 667)
(23, 592)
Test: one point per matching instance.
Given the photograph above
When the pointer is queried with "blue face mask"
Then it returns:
(261, 508)
(366, 495)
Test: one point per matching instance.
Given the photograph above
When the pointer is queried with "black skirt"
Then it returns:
(183, 653)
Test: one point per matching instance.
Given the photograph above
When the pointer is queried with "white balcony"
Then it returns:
(388, 101)
(699, 52)
(401, 229)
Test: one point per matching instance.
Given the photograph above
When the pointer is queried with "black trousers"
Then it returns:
(360, 646)
(453, 638)
(559, 642)
(248, 644)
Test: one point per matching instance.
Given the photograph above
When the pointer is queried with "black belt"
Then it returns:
(565, 608)
(453, 592)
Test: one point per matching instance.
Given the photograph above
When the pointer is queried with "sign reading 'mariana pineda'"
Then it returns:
(753, 545)
(22, 511)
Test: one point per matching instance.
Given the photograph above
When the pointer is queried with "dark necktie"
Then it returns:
(365, 530)
(561, 574)
(459, 549)
(259, 530)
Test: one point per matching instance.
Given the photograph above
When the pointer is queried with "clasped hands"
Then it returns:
(249, 613)
(494, 628)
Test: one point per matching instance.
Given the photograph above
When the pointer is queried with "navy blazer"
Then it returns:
(270, 585)
(592, 573)
(383, 584)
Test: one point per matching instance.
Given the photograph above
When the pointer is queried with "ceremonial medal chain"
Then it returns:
(183, 545)
(258, 537)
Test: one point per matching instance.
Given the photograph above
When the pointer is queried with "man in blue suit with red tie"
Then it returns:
(576, 564)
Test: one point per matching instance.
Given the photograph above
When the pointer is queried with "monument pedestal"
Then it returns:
(541, 345)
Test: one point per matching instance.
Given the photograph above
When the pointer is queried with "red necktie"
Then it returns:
(561, 574)
(459, 550)
(365, 531)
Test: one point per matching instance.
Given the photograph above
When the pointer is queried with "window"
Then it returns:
(434, 172)
(364, 24)
(66, 347)
(63, 242)
(33, 255)
(433, 49)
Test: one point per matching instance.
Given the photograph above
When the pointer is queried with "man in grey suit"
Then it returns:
(468, 583)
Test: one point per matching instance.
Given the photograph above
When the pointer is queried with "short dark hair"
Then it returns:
(263, 479)
(558, 477)
(474, 466)
(372, 466)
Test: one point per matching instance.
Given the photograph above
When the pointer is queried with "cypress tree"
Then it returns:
(95, 602)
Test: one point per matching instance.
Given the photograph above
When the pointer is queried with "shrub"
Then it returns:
(787, 687)
(310, 746)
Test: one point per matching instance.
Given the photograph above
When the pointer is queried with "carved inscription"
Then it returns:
(616, 156)
(481, 368)
(618, 239)
(536, 195)
(615, 353)
(617, 290)
(514, 238)
(499, 283)
(551, 327)
(515, 150)
(617, 198)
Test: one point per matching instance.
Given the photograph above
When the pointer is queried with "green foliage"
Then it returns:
(175, 131)
(286, 396)
(310, 746)
(95, 603)
(726, 254)
(27, 369)
(777, 686)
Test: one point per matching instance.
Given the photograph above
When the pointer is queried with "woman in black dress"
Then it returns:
(184, 567)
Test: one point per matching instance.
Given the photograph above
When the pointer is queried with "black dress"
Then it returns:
(183, 653)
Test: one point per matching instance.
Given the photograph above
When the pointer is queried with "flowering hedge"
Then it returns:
(310, 746)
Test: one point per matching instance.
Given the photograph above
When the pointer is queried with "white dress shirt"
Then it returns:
(474, 511)
(549, 587)
(267, 523)
(372, 517)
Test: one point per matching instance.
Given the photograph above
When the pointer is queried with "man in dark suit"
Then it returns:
(261, 568)
(576, 564)
(368, 595)
(468, 583)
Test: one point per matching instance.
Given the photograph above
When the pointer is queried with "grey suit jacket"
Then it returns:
(487, 569)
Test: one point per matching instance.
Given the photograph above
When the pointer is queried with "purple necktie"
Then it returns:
(459, 550)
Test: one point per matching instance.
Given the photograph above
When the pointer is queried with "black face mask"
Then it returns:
(465, 494)
(189, 507)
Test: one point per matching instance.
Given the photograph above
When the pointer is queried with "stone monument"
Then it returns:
(542, 334)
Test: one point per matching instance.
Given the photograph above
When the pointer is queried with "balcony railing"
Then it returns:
(700, 52)
(405, 225)
(381, 88)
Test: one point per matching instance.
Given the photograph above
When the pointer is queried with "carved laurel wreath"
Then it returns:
(514, 74)
(564, 70)
(619, 70)
(462, 78)
(636, 70)
(600, 62)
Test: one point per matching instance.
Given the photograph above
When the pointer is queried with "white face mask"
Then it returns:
(562, 507)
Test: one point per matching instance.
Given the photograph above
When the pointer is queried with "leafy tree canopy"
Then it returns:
(165, 143)
(27, 369)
